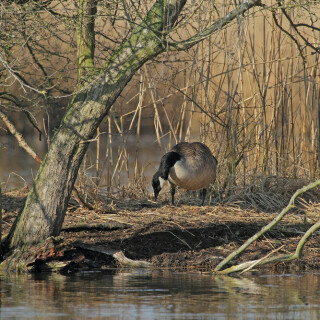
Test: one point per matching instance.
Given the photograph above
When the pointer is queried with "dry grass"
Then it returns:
(270, 193)
(186, 215)
(185, 235)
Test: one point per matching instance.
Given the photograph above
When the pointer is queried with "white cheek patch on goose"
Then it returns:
(162, 182)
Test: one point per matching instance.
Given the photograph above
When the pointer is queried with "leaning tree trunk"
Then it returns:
(46, 204)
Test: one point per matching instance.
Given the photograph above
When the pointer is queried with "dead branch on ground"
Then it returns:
(266, 228)
(118, 255)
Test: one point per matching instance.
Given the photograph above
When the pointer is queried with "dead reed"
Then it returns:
(247, 93)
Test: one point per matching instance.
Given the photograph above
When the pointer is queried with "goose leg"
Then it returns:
(173, 191)
(204, 193)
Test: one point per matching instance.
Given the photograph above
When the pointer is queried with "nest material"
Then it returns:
(271, 194)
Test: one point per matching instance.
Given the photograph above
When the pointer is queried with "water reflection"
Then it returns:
(17, 168)
(159, 295)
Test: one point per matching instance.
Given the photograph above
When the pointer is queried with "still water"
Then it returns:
(159, 295)
(18, 169)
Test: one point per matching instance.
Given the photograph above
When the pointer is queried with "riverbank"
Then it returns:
(172, 237)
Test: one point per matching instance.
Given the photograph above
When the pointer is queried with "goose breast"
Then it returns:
(193, 173)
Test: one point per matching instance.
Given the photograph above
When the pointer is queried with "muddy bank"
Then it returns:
(181, 237)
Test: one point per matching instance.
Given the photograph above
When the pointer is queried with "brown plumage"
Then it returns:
(190, 166)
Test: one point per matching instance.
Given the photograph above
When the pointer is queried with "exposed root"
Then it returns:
(23, 259)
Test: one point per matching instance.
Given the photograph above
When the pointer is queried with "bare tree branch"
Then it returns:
(23, 83)
(22, 142)
(218, 25)
(23, 107)
(294, 26)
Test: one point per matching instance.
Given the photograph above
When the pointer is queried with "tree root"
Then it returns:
(53, 255)
(22, 259)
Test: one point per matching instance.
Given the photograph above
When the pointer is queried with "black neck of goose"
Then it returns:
(167, 162)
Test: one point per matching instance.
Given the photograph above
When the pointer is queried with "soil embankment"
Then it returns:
(176, 237)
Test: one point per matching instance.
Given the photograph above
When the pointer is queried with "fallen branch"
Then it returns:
(246, 266)
(268, 227)
(181, 240)
(112, 225)
(80, 200)
(118, 255)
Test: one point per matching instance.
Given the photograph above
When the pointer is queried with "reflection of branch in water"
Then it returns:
(264, 288)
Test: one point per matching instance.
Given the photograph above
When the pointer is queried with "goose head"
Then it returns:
(161, 176)
(157, 184)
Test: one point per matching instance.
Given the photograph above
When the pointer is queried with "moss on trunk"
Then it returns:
(85, 38)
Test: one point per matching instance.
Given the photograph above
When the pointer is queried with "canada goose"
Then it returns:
(190, 166)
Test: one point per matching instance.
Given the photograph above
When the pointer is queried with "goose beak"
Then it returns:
(156, 193)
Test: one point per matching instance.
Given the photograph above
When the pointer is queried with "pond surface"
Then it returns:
(159, 295)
